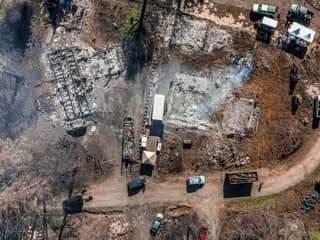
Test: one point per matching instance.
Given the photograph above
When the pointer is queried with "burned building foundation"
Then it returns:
(73, 90)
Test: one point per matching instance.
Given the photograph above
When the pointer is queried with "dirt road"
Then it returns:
(278, 180)
(113, 193)
(208, 200)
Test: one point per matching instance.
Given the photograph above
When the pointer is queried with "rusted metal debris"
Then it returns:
(241, 177)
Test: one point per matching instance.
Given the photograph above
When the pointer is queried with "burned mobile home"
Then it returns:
(73, 90)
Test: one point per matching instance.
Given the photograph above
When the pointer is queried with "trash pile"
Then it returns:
(171, 154)
(223, 155)
(241, 117)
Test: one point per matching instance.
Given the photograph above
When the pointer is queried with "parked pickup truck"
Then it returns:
(264, 10)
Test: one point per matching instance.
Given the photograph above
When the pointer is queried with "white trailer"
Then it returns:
(158, 107)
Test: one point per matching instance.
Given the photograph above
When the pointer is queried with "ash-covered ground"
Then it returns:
(194, 96)
(20, 69)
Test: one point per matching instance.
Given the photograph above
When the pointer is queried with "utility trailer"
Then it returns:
(299, 13)
(239, 184)
(241, 177)
(128, 140)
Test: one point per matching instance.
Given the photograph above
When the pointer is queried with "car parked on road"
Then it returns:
(195, 182)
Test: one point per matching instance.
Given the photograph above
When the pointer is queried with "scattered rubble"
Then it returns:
(73, 90)
(192, 98)
(76, 72)
(240, 117)
(170, 160)
(194, 36)
(102, 64)
(223, 155)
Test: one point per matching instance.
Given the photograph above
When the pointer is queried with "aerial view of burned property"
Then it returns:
(159, 120)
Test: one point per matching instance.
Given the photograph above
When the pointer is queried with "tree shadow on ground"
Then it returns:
(134, 50)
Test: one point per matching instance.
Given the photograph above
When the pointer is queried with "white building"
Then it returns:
(301, 32)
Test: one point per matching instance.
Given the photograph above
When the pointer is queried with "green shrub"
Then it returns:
(2, 12)
(315, 235)
(131, 23)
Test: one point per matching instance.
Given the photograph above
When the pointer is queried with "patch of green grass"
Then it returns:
(272, 201)
(2, 11)
(130, 24)
(315, 235)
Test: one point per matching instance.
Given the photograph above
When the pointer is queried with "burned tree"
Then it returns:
(293, 78)
(134, 45)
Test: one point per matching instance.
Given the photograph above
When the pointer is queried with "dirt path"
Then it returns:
(113, 192)
(278, 180)
(208, 200)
